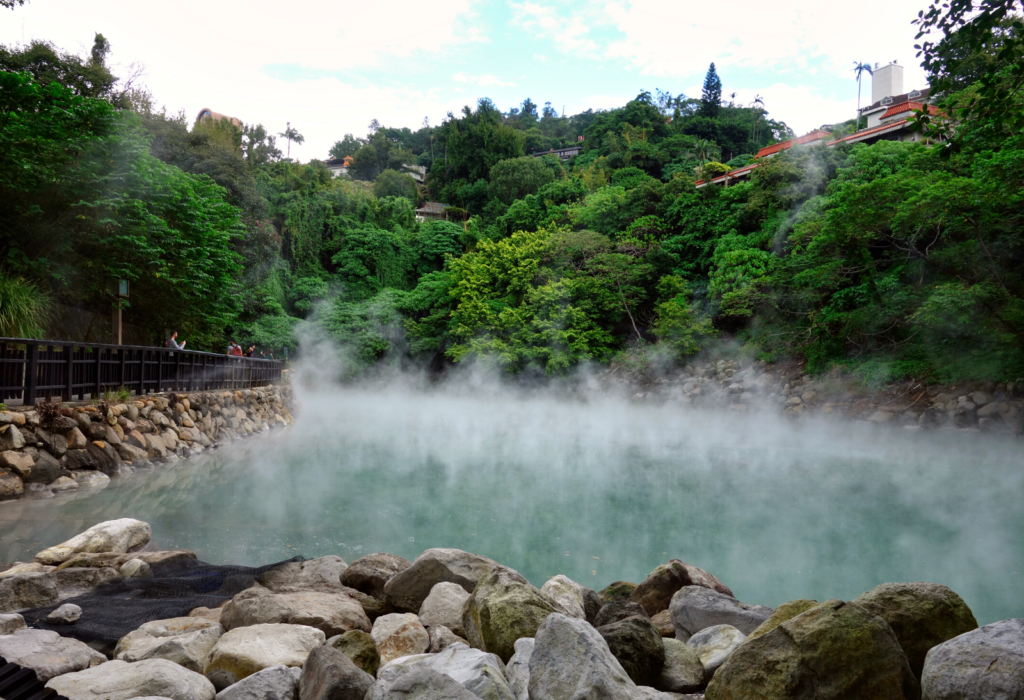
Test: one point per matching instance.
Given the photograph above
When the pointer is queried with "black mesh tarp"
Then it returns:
(175, 589)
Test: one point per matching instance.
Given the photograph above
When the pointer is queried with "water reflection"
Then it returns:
(599, 492)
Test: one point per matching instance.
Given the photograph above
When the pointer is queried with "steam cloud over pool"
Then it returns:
(598, 491)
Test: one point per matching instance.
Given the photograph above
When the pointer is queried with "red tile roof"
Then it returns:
(864, 133)
(901, 108)
(732, 174)
(816, 135)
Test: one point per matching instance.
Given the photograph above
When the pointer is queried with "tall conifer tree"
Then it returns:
(711, 95)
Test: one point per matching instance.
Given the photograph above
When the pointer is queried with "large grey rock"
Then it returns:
(45, 471)
(636, 643)
(984, 664)
(714, 645)
(517, 671)
(567, 593)
(369, 574)
(241, 652)
(333, 613)
(24, 591)
(655, 592)
(399, 634)
(11, 485)
(921, 616)
(420, 684)
(67, 614)
(75, 581)
(91, 479)
(444, 607)
(11, 623)
(120, 536)
(186, 641)
(330, 675)
(695, 608)
(136, 568)
(320, 574)
(618, 610)
(407, 589)
(272, 683)
(47, 653)
(683, 671)
(11, 438)
(120, 680)
(480, 673)
(833, 651)
(570, 659)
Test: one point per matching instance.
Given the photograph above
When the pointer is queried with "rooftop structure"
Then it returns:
(207, 113)
(431, 210)
(562, 153)
(816, 137)
(339, 166)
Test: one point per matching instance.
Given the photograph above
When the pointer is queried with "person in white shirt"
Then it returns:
(172, 343)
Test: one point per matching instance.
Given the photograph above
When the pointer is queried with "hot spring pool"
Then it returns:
(599, 492)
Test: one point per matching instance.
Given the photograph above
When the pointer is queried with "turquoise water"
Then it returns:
(598, 491)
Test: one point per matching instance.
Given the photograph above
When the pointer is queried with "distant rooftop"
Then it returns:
(816, 135)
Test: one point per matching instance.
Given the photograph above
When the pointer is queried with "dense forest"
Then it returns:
(890, 260)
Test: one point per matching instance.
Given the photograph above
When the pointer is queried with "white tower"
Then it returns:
(886, 81)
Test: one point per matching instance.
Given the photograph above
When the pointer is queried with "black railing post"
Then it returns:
(31, 373)
(99, 378)
(69, 365)
(159, 371)
(177, 371)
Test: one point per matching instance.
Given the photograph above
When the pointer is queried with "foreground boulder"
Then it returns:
(11, 623)
(360, 648)
(244, 651)
(714, 645)
(407, 589)
(420, 684)
(570, 659)
(441, 638)
(399, 634)
(272, 683)
(186, 641)
(636, 643)
(655, 592)
(921, 616)
(119, 536)
(444, 607)
(503, 608)
(369, 574)
(330, 675)
(683, 671)
(616, 590)
(618, 610)
(695, 608)
(47, 653)
(320, 574)
(120, 680)
(480, 673)
(985, 663)
(834, 650)
(334, 613)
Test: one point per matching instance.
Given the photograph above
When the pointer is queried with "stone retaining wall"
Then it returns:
(85, 444)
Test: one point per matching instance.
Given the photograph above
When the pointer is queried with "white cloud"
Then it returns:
(800, 40)
(485, 80)
(802, 107)
(571, 34)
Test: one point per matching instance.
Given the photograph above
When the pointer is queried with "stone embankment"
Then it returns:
(55, 448)
(453, 624)
(747, 386)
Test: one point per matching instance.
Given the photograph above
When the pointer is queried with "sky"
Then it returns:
(330, 68)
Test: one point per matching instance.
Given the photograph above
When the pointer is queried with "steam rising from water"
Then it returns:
(599, 490)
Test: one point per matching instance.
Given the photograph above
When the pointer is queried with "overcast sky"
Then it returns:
(332, 67)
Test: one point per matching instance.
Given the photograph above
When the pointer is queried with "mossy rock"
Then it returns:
(655, 592)
(618, 590)
(636, 643)
(921, 615)
(833, 651)
(504, 607)
(786, 611)
(358, 646)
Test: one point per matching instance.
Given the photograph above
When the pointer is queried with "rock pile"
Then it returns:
(87, 445)
(453, 624)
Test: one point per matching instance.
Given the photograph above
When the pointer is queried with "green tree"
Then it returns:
(711, 94)
(860, 69)
(290, 134)
(346, 147)
(515, 178)
(392, 183)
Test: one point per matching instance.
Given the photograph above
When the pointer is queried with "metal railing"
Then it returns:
(31, 369)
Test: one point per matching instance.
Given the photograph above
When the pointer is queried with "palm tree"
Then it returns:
(758, 107)
(860, 69)
(291, 135)
(704, 150)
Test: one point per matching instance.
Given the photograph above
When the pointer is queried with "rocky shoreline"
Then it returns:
(741, 386)
(57, 447)
(454, 624)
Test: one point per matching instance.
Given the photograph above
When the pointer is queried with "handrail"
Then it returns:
(31, 368)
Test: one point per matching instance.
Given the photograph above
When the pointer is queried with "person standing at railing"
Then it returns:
(172, 343)
(234, 350)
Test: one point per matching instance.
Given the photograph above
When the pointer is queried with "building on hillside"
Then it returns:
(418, 172)
(815, 138)
(339, 166)
(207, 113)
(431, 210)
(563, 153)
